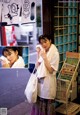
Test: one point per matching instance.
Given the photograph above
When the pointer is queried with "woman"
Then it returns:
(14, 60)
(46, 73)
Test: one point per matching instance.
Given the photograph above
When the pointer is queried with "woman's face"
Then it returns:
(11, 55)
(45, 43)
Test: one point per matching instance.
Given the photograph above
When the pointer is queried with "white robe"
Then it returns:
(19, 63)
(47, 86)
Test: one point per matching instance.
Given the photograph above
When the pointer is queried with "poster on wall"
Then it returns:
(14, 57)
(11, 11)
(28, 11)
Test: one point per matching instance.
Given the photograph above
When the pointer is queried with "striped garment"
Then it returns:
(43, 107)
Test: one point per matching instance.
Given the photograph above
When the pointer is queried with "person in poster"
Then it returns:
(11, 58)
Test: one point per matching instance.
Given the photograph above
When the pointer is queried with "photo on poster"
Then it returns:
(20, 35)
(28, 11)
(11, 11)
(14, 57)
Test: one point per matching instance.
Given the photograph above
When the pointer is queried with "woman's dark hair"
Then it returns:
(44, 37)
(7, 48)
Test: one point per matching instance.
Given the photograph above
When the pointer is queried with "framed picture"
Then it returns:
(14, 57)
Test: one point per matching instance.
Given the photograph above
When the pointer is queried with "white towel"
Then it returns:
(39, 48)
(42, 70)
(3, 58)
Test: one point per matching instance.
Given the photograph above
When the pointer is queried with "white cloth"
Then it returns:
(3, 58)
(31, 89)
(19, 63)
(47, 84)
(53, 57)
(39, 47)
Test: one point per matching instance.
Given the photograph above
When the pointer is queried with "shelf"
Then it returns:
(60, 101)
(65, 27)
(67, 76)
(65, 80)
(72, 109)
(79, 32)
(67, 84)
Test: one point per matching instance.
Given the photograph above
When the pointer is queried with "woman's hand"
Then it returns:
(43, 54)
(5, 64)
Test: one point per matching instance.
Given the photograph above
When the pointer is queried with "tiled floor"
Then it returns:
(23, 108)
